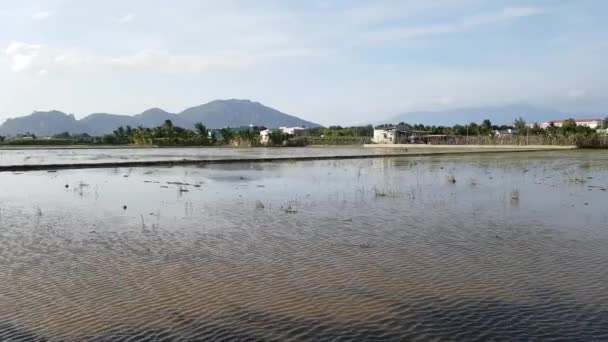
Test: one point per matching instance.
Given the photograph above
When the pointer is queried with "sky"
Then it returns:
(329, 61)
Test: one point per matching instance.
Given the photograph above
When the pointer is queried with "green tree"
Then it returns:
(536, 129)
(64, 135)
(227, 135)
(201, 130)
(120, 133)
(568, 127)
(487, 124)
(486, 127)
(520, 124)
(213, 138)
(277, 137)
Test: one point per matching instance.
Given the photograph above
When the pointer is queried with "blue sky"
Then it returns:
(327, 61)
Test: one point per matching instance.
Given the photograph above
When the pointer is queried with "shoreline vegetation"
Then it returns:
(168, 135)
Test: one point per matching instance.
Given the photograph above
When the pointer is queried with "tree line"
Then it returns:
(168, 134)
(486, 128)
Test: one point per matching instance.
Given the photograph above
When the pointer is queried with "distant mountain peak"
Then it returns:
(154, 110)
(236, 113)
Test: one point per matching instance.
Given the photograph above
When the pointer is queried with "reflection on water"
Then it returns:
(348, 250)
(92, 155)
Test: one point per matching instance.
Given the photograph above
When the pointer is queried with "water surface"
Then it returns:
(356, 250)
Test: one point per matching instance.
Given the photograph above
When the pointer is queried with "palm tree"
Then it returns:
(227, 135)
(202, 132)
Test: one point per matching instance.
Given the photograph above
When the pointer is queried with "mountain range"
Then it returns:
(215, 114)
(497, 114)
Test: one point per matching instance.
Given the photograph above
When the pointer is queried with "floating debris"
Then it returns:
(290, 210)
(451, 179)
(259, 205)
(379, 193)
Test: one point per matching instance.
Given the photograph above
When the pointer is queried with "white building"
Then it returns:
(265, 136)
(509, 131)
(300, 131)
(591, 123)
(389, 135)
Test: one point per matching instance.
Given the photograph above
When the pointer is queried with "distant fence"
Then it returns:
(588, 141)
(302, 141)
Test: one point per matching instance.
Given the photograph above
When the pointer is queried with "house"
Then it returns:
(300, 131)
(389, 135)
(591, 123)
(265, 136)
(509, 131)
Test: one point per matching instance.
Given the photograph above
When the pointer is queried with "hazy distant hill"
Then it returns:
(497, 114)
(41, 123)
(156, 116)
(216, 114)
(101, 123)
(234, 113)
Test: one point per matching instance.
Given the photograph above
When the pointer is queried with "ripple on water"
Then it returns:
(433, 261)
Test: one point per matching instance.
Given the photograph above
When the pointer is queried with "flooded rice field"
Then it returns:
(111, 155)
(61, 155)
(478, 247)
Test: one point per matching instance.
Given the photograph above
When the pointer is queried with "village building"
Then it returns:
(508, 131)
(265, 136)
(390, 135)
(299, 131)
(591, 123)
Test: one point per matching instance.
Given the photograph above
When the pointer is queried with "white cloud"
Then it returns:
(518, 12)
(43, 72)
(465, 24)
(576, 94)
(446, 100)
(42, 15)
(22, 55)
(127, 18)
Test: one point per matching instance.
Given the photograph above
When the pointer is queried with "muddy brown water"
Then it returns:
(355, 250)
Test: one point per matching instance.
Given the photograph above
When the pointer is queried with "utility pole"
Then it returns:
(604, 130)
